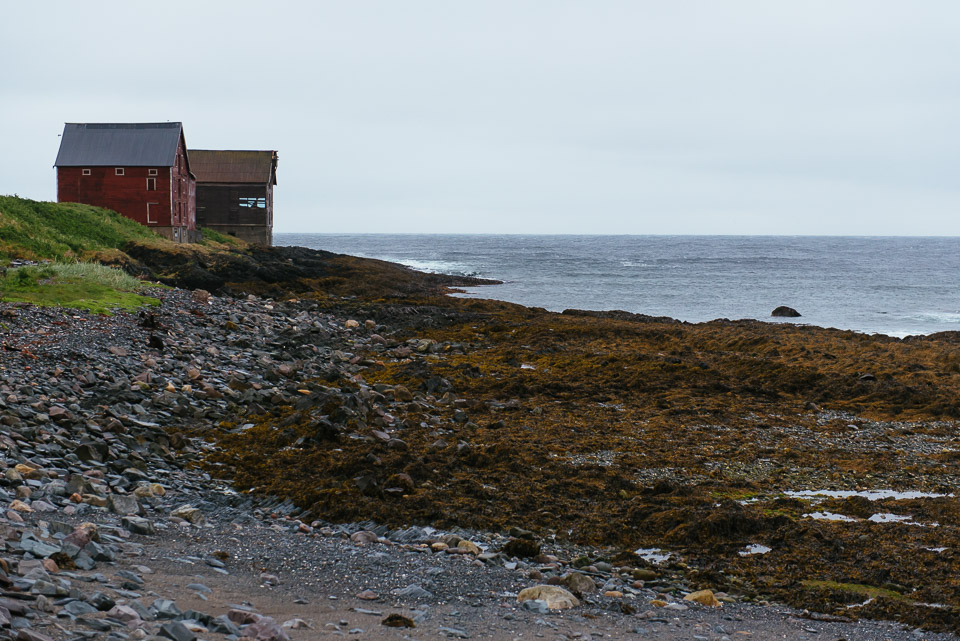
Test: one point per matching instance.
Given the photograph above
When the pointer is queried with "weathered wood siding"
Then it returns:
(128, 194)
(183, 191)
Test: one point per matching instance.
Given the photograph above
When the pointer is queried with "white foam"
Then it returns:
(436, 266)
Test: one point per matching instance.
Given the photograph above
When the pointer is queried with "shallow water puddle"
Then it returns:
(870, 495)
(754, 548)
(653, 555)
(881, 517)
(828, 516)
(886, 517)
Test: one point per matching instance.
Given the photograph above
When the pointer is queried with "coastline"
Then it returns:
(598, 435)
(894, 286)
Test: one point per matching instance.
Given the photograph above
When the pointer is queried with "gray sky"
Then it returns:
(521, 116)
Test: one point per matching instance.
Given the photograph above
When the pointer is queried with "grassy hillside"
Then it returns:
(36, 230)
(69, 232)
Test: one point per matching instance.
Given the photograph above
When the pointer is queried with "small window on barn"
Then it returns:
(151, 184)
(85, 172)
(252, 202)
(151, 172)
(118, 171)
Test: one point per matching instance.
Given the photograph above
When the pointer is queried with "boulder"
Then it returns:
(138, 525)
(177, 631)
(554, 596)
(703, 597)
(579, 583)
(469, 547)
(189, 513)
(124, 504)
(266, 629)
(785, 312)
(522, 548)
(364, 536)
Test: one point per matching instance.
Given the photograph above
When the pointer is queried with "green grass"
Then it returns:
(57, 231)
(866, 591)
(210, 237)
(89, 286)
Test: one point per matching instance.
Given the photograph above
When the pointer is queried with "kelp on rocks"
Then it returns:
(629, 431)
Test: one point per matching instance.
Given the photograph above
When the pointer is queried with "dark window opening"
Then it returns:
(251, 202)
(151, 184)
(85, 172)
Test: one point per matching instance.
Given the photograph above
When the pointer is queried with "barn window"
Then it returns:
(118, 171)
(151, 184)
(252, 202)
(151, 172)
(85, 172)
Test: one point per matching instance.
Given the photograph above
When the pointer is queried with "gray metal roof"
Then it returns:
(152, 144)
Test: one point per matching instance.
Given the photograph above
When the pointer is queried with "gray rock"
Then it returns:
(189, 513)
(97, 624)
(78, 608)
(785, 312)
(124, 504)
(138, 525)
(536, 605)
(266, 629)
(223, 625)
(166, 609)
(177, 631)
(101, 601)
(124, 614)
(412, 591)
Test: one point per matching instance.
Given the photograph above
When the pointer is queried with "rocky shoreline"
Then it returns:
(134, 423)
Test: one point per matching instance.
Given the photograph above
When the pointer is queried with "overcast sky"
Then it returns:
(536, 116)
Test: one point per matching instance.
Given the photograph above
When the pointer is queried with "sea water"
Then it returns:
(891, 285)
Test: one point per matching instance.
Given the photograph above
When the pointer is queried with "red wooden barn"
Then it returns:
(140, 170)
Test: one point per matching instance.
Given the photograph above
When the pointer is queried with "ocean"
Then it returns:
(890, 285)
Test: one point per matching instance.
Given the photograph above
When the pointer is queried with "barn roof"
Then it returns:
(144, 144)
(234, 166)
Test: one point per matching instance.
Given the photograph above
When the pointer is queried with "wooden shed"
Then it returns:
(235, 192)
(140, 170)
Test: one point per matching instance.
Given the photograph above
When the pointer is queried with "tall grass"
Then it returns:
(90, 272)
(77, 285)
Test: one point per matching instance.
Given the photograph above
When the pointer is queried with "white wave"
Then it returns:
(947, 318)
(436, 266)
